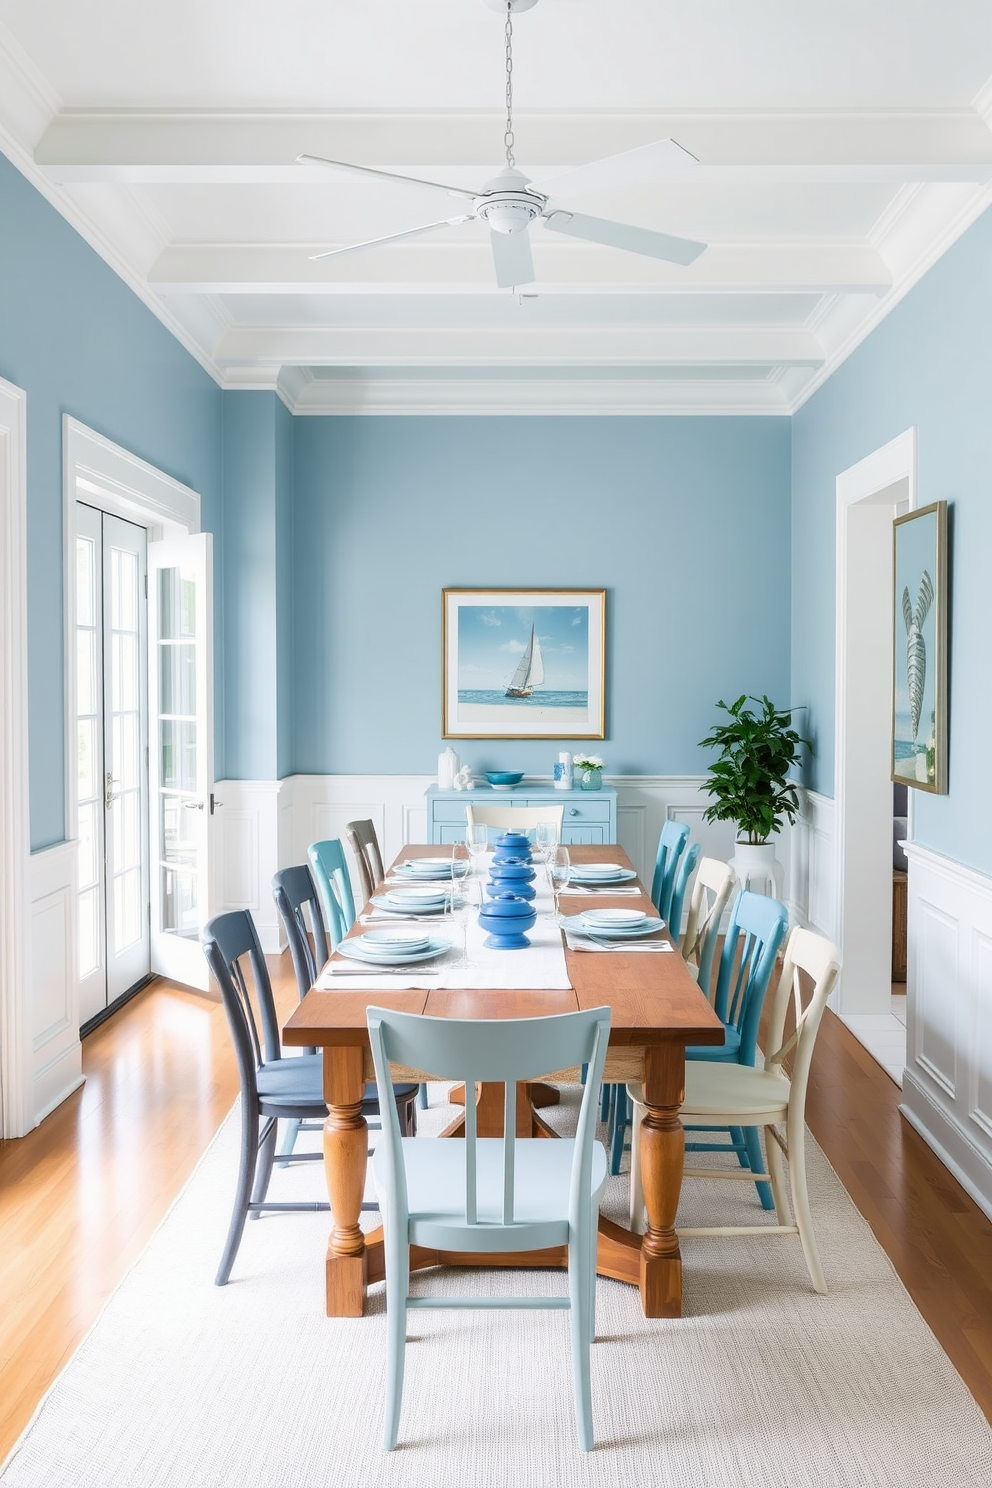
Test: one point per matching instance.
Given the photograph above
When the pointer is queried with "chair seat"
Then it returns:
(735, 1090)
(301, 1077)
(435, 1177)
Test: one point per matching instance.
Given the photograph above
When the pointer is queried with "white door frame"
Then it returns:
(16, 1084)
(102, 474)
(869, 495)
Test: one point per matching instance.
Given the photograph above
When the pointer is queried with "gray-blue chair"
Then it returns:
(493, 1195)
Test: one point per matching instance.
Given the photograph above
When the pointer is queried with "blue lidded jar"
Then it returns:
(511, 874)
(512, 845)
(505, 918)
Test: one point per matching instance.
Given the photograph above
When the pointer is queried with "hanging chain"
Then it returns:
(508, 132)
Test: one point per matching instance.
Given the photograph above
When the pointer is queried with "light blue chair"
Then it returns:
(490, 1195)
(686, 869)
(671, 844)
(754, 937)
(330, 871)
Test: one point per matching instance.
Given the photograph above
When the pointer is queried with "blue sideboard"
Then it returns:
(590, 817)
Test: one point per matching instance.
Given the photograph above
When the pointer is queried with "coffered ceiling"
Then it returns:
(842, 147)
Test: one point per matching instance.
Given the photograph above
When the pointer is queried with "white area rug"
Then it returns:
(762, 1384)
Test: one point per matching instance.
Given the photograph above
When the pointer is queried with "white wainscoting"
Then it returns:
(947, 1086)
(54, 1002)
(811, 888)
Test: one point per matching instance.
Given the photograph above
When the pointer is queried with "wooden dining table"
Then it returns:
(657, 1010)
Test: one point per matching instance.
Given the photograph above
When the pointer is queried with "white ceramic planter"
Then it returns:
(757, 868)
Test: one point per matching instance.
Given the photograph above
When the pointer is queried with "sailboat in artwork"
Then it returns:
(530, 670)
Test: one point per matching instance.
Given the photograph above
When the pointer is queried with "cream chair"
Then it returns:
(525, 818)
(739, 1095)
(715, 882)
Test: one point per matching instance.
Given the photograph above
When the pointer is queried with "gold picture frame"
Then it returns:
(919, 648)
(523, 664)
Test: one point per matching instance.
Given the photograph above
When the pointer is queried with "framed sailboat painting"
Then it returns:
(523, 664)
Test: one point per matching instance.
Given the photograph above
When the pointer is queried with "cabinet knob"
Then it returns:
(573, 811)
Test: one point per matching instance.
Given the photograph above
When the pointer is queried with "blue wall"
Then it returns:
(76, 339)
(927, 364)
(685, 521)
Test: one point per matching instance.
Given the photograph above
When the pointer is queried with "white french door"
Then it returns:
(181, 686)
(112, 758)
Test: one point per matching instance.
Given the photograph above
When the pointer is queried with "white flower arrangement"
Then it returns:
(587, 762)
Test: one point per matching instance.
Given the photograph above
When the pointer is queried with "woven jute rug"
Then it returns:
(182, 1384)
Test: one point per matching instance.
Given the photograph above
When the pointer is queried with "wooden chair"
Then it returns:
(493, 1195)
(754, 936)
(271, 1087)
(360, 837)
(523, 818)
(738, 1095)
(715, 882)
(330, 871)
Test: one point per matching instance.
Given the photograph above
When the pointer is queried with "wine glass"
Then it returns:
(477, 835)
(458, 905)
(546, 839)
(559, 871)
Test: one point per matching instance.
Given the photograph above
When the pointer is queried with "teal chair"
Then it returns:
(686, 869)
(671, 845)
(757, 928)
(331, 875)
(491, 1195)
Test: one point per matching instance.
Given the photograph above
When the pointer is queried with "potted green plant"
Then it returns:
(749, 780)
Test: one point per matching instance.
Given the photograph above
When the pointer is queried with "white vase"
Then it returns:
(757, 868)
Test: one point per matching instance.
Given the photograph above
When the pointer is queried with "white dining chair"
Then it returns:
(715, 882)
(490, 1195)
(741, 1095)
(523, 818)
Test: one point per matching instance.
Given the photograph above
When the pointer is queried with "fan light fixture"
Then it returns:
(510, 202)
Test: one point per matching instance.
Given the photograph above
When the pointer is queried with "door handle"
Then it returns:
(192, 805)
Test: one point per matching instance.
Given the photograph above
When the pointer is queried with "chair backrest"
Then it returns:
(674, 836)
(715, 882)
(819, 958)
(756, 931)
(687, 868)
(360, 837)
(499, 1050)
(296, 895)
(523, 818)
(330, 871)
(230, 943)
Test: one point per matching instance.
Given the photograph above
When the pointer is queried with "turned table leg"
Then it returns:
(662, 1154)
(346, 1138)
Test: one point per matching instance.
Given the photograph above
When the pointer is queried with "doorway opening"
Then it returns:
(869, 495)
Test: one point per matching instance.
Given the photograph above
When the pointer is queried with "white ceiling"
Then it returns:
(842, 148)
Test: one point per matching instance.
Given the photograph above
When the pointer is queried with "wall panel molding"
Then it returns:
(57, 1068)
(947, 1086)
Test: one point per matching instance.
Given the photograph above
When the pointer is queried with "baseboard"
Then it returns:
(969, 1166)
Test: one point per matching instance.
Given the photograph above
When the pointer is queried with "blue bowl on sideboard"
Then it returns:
(504, 777)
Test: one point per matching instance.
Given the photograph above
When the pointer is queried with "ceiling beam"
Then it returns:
(464, 149)
(519, 347)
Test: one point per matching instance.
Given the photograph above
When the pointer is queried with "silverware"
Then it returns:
(428, 968)
(402, 919)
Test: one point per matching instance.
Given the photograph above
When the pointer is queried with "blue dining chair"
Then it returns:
(492, 1195)
(330, 871)
(757, 928)
(686, 869)
(296, 897)
(671, 844)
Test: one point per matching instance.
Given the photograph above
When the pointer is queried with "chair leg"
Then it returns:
(752, 1144)
(246, 1170)
(800, 1202)
(263, 1166)
(422, 1097)
(637, 1218)
(621, 1108)
(289, 1141)
(606, 1095)
(580, 1262)
(397, 1259)
(776, 1171)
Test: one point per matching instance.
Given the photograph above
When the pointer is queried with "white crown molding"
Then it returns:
(383, 395)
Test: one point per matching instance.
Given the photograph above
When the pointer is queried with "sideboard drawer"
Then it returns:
(579, 813)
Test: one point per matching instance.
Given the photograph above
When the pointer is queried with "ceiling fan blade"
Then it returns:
(410, 232)
(658, 161)
(622, 235)
(512, 258)
(367, 170)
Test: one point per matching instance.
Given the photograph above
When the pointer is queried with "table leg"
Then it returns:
(662, 1154)
(346, 1139)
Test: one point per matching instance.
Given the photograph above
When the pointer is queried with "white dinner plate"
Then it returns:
(395, 940)
(615, 919)
(593, 874)
(417, 903)
(577, 925)
(424, 869)
(355, 951)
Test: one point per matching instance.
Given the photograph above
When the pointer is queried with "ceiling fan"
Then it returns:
(510, 202)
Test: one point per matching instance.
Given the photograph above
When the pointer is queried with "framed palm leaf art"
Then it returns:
(919, 648)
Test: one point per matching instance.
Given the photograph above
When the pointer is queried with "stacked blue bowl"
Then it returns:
(507, 914)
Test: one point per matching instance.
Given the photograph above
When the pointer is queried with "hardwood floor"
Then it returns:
(81, 1195)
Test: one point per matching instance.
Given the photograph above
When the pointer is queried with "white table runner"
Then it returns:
(542, 964)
